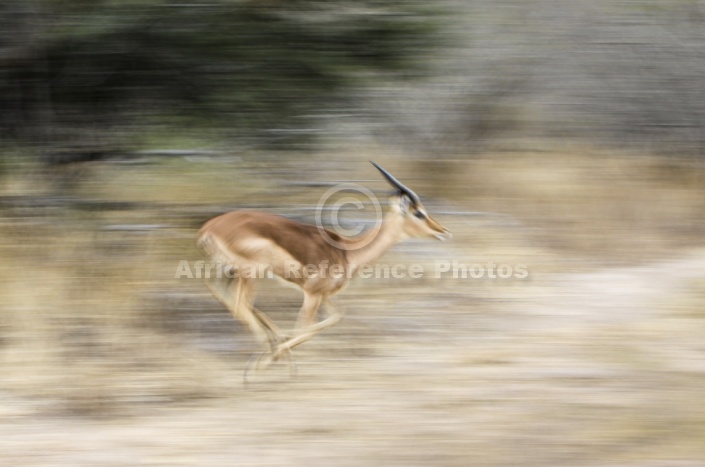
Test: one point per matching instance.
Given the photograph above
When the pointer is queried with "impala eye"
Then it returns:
(420, 214)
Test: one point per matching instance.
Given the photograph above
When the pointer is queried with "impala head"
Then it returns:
(417, 222)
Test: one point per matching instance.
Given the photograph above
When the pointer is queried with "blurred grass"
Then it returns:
(590, 202)
(95, 325)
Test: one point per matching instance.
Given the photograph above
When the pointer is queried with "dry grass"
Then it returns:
(582, 363)
(590, 202)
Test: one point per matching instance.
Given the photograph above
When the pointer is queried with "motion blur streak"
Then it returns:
(564, 138)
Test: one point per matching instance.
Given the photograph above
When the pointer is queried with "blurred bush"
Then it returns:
(273, 73)
(254, 67)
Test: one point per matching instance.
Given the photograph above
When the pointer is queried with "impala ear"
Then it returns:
(401, 202)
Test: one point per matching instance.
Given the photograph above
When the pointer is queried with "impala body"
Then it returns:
(257, 241)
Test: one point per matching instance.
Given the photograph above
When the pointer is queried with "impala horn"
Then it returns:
(398, 185)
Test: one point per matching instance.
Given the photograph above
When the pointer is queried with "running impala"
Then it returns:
(259, 241)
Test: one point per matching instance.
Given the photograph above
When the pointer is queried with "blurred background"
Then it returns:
(565, 136)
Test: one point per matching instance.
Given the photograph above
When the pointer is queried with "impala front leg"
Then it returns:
(307, 314)
(309, 331)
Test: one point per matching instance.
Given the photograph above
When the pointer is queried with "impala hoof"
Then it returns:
(262, 360)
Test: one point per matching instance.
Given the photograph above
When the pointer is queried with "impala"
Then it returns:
(257, 241)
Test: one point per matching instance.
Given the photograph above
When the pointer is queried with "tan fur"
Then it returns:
(249, 239)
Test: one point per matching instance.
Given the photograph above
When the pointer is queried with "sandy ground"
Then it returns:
(596, 368)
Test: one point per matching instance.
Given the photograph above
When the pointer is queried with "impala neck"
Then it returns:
(381, 238)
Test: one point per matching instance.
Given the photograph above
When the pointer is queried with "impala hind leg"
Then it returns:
(307, 315)
(237, 295)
